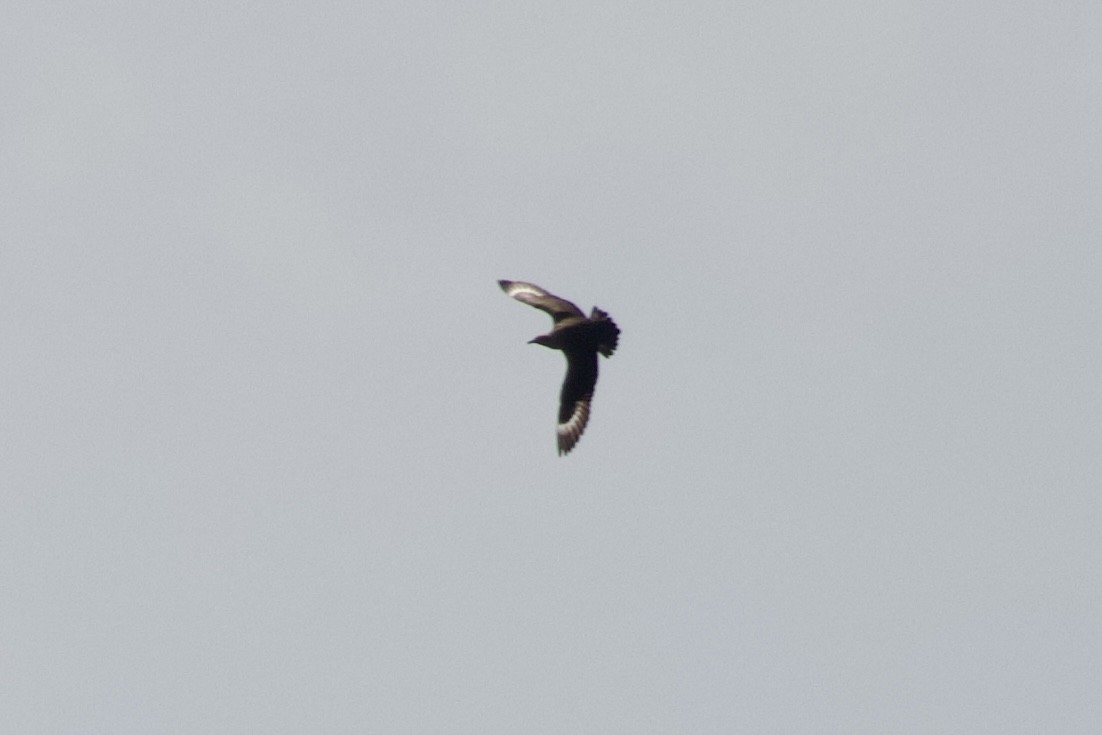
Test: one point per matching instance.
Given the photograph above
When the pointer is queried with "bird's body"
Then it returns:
(579, 338)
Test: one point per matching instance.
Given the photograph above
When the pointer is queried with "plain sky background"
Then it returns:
(275, 457)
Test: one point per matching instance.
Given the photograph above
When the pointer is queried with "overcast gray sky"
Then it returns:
(276, 458)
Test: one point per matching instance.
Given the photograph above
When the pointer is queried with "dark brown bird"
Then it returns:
(579, 338)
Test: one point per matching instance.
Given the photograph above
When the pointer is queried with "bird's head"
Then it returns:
(543, 339)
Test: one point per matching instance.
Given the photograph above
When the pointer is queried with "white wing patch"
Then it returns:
(571, 430)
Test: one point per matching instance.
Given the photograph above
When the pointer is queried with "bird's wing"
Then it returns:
(577, 394)
(533, 295)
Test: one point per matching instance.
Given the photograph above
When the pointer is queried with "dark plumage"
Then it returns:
(579, 338)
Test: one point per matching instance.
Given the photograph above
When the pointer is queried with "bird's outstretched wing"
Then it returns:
(533, 295)
(577, 394)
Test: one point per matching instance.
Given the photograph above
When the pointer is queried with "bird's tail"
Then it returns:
(608, 335)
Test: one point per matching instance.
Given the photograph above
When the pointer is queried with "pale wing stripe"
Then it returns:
(520, 287)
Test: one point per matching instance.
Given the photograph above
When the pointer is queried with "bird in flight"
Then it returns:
(579, 338)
